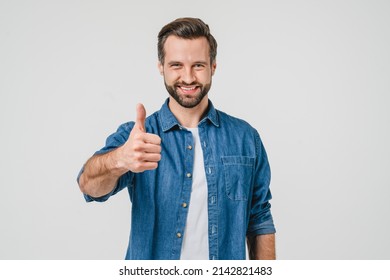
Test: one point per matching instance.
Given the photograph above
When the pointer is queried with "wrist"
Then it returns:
(117, 165)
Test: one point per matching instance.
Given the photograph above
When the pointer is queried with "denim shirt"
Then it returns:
(237, 174)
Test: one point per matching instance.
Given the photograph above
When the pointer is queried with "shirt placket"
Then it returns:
(185, 192)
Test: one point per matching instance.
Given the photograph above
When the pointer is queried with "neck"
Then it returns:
(188, 117)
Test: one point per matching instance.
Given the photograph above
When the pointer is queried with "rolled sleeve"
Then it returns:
(264, 224)
(261, 221)
(123, 182)
(113, 141)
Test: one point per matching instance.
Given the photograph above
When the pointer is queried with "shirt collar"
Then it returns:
(168, 120)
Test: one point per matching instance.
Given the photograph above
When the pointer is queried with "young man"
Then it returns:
(198, 178)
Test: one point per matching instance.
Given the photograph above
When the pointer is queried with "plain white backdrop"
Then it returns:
(312, 76)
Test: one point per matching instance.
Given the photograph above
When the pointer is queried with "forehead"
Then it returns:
(186, 50)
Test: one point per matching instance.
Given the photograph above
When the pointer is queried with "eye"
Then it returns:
(198, 66)
(175, 65)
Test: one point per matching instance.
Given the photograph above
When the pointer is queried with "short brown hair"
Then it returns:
(186, 28)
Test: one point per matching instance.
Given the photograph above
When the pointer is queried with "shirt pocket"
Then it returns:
(238, 176)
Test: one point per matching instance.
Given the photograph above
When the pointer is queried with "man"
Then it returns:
(198, 178)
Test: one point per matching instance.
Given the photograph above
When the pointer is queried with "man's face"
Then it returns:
(187, 70)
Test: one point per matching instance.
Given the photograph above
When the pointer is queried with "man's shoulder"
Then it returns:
(230, 120)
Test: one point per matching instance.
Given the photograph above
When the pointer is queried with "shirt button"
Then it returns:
(184, 205)
(189, 175)
(189, 147)
(178, 235)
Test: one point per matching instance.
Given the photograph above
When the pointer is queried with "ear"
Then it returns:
(213, 67)
(160, 68)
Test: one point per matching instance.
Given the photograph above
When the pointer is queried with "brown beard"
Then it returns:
(188, 102)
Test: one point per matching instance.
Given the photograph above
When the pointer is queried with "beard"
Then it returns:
(187, 100)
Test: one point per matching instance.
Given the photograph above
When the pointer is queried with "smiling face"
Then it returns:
(187, 70)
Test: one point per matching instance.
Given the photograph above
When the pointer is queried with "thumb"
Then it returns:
(141, 115)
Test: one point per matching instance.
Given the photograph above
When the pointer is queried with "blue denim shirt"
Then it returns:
(237, 174)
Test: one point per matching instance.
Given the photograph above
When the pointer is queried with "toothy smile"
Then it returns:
(188, 89)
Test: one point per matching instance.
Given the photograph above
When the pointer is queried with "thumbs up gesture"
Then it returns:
(142, 151)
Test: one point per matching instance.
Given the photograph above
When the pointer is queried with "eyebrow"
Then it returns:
(196, 62)
(201, 62)
(174, 62)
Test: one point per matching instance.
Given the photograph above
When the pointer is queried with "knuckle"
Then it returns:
(137, 166)
(137, 136)
(137, 157)
(137, 147)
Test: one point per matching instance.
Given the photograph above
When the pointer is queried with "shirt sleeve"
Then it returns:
(114, 141)
(260, 221)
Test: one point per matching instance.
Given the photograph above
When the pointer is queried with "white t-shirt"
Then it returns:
(196, 238)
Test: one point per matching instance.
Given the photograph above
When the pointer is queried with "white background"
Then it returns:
(311, 76)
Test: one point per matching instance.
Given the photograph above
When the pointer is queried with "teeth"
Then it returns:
(185, 88)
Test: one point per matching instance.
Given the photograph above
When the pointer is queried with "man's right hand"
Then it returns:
(141, 151)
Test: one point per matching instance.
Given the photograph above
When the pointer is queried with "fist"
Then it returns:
(142, 151)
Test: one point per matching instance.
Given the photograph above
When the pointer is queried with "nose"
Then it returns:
(188, 76)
